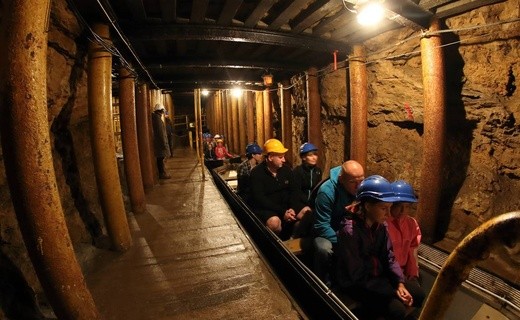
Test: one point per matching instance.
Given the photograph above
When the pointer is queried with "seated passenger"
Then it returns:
(406, 237)
(366, 268)
(254, 157)
(221, 152)
(270, 188)
(208, 146)
(305, 177)
(332, 197)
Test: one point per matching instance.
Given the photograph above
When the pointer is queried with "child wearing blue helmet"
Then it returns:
(367, 269)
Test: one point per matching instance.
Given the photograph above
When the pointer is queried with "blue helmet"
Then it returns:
(404, 191)
(376, 187)
(307, 147)
(253, 148)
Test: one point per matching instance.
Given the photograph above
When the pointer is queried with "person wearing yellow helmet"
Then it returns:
(270, 188)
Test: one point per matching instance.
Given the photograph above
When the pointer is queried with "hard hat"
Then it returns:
(376, 187)
(307, 147)
(158, 107)
(253, 148)
(217, 136)
(275, 146)
(404, 191)
(219, 140)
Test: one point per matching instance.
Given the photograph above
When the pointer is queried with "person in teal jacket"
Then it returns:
(332, 197)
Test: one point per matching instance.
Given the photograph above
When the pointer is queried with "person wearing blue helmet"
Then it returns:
(367, 269)
(305, 178)
(254, 157)
(405, 234)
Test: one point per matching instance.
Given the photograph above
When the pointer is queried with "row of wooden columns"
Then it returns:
(234, 117)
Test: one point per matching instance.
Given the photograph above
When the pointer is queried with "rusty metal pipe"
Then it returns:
(102, 140)
(29, 169)
(434, 107)
(268, 115)
(314, 134)
(358, 105)
(287, 121)
(143, 138)
(499, 231)
(134, 178)
(259, 108)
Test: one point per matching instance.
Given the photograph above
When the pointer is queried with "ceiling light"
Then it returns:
(370, 14)
(236, 92)
(205, 92)
(268, 79)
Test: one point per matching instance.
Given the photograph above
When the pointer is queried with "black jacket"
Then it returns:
(305, 179)
(268, 192)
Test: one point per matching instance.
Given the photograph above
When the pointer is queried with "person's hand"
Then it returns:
(289, 215)
(302, 212)
(353, 207)
(404, 295)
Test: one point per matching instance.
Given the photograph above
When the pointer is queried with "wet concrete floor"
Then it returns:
(189, 260)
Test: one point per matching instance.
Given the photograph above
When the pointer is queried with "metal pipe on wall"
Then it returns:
(28, 162)
(287, 121)
(314, 114)
(358, 105)
(102, 139)
(433, 154)
(127, 112)
(268, 115)
(143, 138)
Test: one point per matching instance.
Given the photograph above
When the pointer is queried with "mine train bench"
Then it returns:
(295, 246)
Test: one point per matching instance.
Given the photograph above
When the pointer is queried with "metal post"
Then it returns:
(29, 169)
(358, 105)
(102, 139)
(134, 179)
(434, 134)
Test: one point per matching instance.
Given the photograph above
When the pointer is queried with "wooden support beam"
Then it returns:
(314, 134)
(358, 105)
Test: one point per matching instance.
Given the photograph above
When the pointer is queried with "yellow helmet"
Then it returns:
(275, 146)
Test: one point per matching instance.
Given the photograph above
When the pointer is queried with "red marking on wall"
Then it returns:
(409, 111)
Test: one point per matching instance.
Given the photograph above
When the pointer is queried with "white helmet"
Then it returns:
(158, 107)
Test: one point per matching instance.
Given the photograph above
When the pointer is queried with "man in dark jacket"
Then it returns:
(270, 188)
(160, 140)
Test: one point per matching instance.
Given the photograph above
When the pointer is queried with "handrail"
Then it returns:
(501, 230)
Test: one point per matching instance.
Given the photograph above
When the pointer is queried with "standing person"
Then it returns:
(306, 176)
(366, 268)
(270, 188)
(160, 140)
(333, 196)
(169, 131)
(405, 234)
(254, 157)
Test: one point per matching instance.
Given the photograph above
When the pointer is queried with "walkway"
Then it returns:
(190, 259)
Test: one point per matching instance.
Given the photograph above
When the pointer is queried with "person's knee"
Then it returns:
(396, 310)
(275, 224)
(323, 247)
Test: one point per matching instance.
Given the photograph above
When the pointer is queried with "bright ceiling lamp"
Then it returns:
(370, 13)
(205, 92)
(236, 92)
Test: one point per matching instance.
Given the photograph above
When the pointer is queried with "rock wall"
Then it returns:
(482, 171)
(21, 295)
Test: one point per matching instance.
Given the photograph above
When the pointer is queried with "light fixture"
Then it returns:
(205, 92)
(370, 13)
(268, 79)
(236, 92)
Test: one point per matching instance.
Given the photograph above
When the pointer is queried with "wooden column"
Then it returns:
(29, 169)
(268, 115)
(102, 139)
(242, 125)
(234, 124)
(143, 137)
(198, 128)
(434, 107)
(358, 105)
(259, 108)
(134, 179)
(150, 106)
(287, 121)
(220, 112)
(229, 120)
(223, 99)
(250, 114)
(314, 114)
